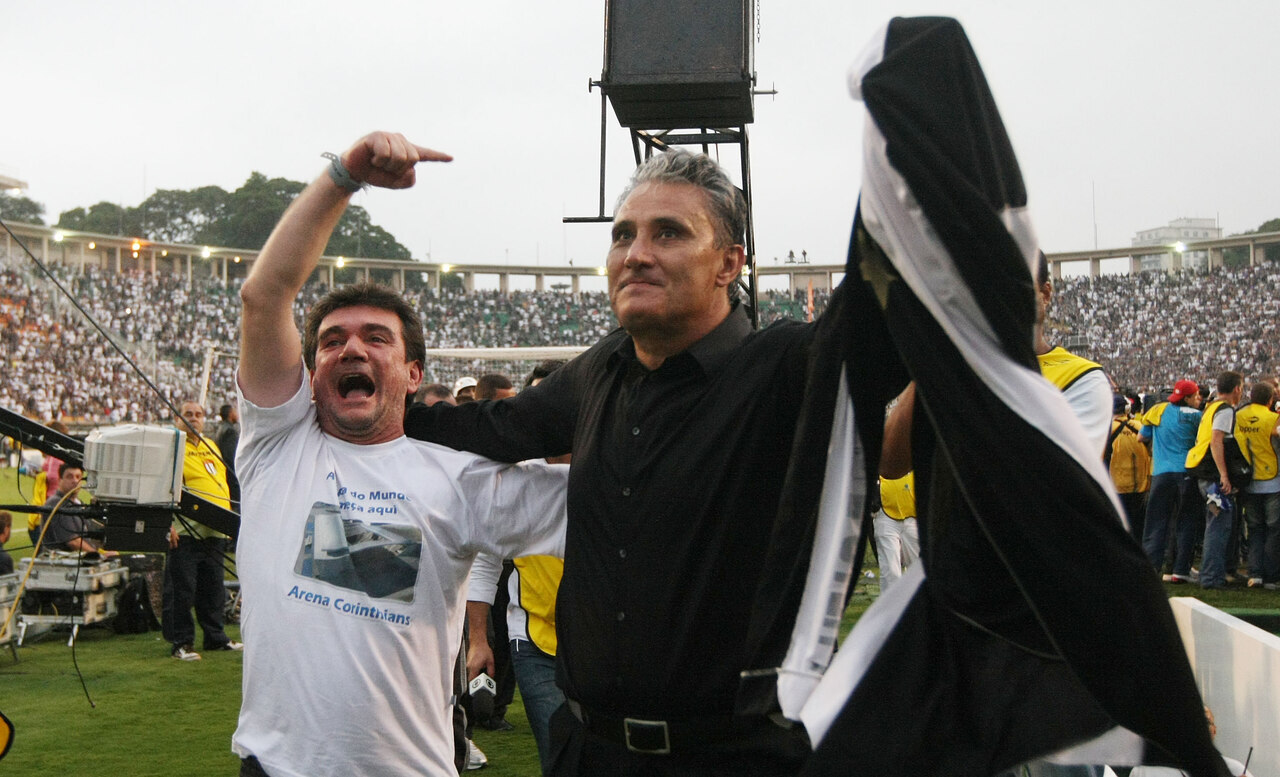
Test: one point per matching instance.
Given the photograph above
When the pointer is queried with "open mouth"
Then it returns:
(355, 386)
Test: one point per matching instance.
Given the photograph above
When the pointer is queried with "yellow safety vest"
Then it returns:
(1130, 459)
(204, 474)
(898, 496)
(1254, 425)
(539, 582)
(1063, 368)
(1204, 435)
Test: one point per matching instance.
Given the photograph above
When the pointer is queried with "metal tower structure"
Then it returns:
(681, 73)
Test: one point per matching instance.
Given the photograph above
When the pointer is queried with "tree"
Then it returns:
(211, 216)
(105, 218)
(1239, 256)
(253, 210)
(356, 235)
(21, 209)
(176, 216)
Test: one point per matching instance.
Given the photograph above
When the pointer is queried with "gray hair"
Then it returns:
(728, 208)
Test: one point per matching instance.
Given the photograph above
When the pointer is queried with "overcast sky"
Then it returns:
(1152, 110)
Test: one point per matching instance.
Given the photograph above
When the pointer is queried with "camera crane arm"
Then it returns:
(33, 434)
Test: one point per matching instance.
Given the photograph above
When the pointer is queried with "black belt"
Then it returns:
(664, 737)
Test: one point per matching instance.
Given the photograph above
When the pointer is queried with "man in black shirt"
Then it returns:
(680, 424)
(227, 438)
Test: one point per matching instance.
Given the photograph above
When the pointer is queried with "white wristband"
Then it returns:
(338, 172)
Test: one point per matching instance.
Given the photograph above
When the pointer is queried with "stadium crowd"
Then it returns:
(1147, 330)
(1150, 329)
(57, 367)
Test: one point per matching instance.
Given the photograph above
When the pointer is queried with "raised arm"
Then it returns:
(270, 348)
(895, 451)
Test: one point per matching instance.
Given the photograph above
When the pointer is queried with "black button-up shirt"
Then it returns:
(673, 494)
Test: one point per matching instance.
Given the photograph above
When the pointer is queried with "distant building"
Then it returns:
(1184, 230)
(10, 184)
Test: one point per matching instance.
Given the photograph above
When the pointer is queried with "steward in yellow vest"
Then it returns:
(1210, 441)
(1130, 461)
(1063, 368)
(1255, 425)
(897, 496)
(1083, 383)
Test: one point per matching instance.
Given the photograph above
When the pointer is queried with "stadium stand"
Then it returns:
(57, 366)
(1149, 329)
(1145, 329)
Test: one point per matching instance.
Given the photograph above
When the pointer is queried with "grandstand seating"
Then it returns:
(1146, 329)
(1151, 329)
(58, 366)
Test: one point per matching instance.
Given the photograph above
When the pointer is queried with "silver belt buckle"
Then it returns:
(646, 732)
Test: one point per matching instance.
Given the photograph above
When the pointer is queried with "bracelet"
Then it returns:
(338, 172)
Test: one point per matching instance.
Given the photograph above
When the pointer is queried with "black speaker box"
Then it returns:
(679, 63)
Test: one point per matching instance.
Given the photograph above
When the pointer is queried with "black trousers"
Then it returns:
(193, 577)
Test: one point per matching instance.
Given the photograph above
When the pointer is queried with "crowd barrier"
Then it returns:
(1237, 666)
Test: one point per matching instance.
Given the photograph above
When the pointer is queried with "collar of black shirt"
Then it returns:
(711, 351)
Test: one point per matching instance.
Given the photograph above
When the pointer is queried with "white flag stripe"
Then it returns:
(857, 653)
(836, 539)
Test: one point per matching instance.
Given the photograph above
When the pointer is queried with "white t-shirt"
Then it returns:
(1090, 399)
(353, 561)
(1224, 419)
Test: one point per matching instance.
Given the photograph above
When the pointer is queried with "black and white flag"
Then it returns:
(1033, 627)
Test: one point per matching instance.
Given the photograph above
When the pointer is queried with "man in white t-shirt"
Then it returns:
(356, 542)
(1083, 383)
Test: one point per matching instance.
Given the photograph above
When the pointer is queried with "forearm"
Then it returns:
(293, 250)
(270, 352)
(895, 452)
(81, 545)
(478, 622)
(479, 652)
(271, 356)
(535, 423)
(1219, 454)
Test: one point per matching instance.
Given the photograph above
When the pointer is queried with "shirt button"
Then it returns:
(635, 431)
(626, 491)
(621, 616)
(622, 552)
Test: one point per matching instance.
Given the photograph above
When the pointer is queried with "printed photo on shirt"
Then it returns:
(378, 559)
